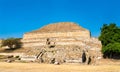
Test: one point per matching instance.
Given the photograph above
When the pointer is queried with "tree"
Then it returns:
(110, 39)
(12, 42)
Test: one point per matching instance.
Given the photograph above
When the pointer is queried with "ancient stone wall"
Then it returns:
(69, 52)
(60, 38)
(84, 34)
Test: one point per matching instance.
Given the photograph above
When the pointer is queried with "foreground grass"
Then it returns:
(35, 67)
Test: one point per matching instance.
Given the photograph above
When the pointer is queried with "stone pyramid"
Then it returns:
(60, 27)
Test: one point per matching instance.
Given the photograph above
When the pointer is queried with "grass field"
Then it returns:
(36, 67)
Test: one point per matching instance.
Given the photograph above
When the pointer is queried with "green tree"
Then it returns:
(110, 39)
(12, 42)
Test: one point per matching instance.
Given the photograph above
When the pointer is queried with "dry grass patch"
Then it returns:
(35, 67)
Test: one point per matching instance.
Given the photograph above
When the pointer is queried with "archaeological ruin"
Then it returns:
(60, 33)
(63, 41)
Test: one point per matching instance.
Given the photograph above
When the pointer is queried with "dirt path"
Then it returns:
(35, 67)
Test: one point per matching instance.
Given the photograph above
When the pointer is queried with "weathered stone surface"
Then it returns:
(63, 41)
(60, 27)
(9, 61)
(28, 58)
(63, 33)
(12, 54)
(57, 63)
(68, 53)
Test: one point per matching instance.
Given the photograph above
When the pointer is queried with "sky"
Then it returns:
(20, 16)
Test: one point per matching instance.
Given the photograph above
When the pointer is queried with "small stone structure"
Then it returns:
(28, 58)
(64, 42)
(12, 54)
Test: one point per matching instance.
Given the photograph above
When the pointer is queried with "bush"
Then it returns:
(12, 42)
(110, 39)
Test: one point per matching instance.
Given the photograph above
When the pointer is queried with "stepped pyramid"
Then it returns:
(61, 33)
(63, 41)
(60, 27)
